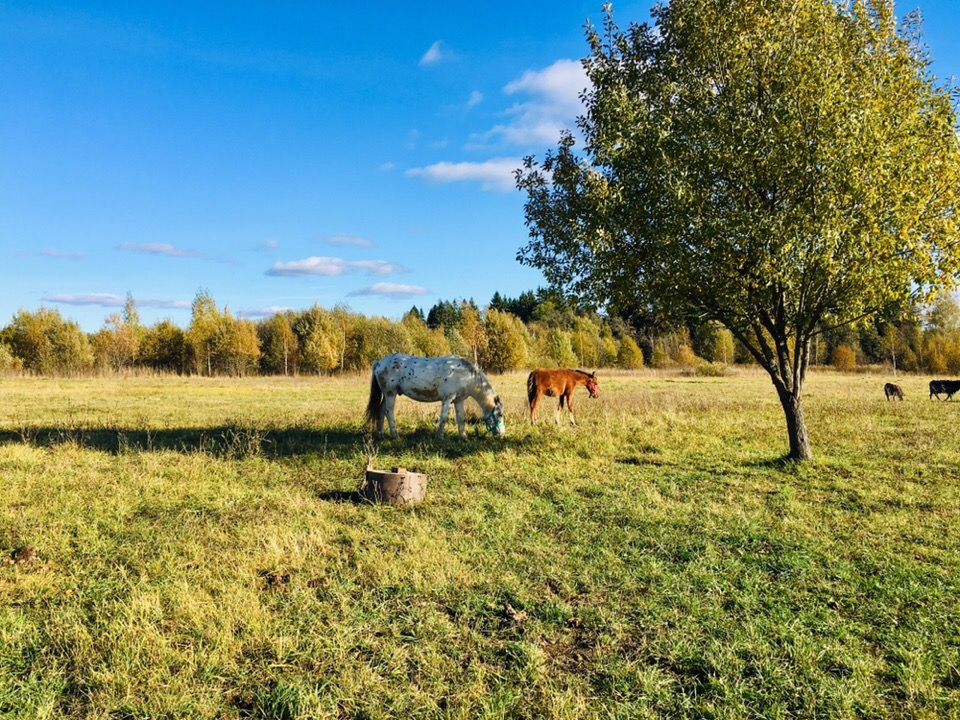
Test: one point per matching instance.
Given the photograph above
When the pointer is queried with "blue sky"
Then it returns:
(285, 154)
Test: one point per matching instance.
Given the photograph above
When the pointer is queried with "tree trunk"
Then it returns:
(796, 426)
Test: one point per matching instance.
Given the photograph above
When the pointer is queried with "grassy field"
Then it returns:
(201, 554)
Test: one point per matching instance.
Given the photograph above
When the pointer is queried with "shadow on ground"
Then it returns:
(238, 442)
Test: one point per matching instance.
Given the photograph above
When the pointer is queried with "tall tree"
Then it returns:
(445, 314)
(429, 342)
(278, 343)
(943, 315)
(48, 344)
(201, 336)
(318, 340)
(506, 342)
(472, 328)
(117, 344)
(164, 347)
(237, 345)
(780, 167)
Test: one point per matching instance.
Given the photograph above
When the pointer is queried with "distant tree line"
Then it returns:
(537, 329)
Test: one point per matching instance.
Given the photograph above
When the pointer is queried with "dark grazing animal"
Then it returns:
(945, 387)
(893, 391)
(558, 383)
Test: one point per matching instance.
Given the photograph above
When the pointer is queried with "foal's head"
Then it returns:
(592, 385)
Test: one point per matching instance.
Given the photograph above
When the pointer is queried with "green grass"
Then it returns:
(201, 553)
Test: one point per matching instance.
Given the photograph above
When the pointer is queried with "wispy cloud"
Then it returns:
(475, 99)
(101, 299)
(110, 300)
(553, 105)
(376, 267)
(167, 304)
(269, 244)
(349, 240)
(159, 249)
(331, 266)
(62, 254)
(493, 174)
(393, 290)
(269, 311)
(436, 53)
(559, 84)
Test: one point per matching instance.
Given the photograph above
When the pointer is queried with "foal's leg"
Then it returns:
(533, 409)
(389, 400)
(570, 408)
(444, 409)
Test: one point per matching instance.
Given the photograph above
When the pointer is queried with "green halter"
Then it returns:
(491, 421)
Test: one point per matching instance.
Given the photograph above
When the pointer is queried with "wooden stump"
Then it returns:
(397, 486)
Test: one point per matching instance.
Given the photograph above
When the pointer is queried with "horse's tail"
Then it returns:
(531, 387)
(376, 400)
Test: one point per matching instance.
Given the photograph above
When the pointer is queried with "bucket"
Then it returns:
(397, 486)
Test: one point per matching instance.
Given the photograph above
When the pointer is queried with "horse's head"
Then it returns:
(592, 385)
(494, 419)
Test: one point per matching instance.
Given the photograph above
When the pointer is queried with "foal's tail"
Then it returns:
(531, 387)
(375, 402)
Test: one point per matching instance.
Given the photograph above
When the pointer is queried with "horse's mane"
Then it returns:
(479, 375)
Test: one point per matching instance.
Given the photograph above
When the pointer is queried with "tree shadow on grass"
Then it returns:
(781, 463)
(235, 441)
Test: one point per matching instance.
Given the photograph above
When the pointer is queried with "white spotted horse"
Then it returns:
(449, 380)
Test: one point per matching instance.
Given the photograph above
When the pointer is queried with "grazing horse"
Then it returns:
(947, 387)
(558, 383)
(893, 391)
(449, 379)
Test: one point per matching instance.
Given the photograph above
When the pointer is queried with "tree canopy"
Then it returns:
(780, 167)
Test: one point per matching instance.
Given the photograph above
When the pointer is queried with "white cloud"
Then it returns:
(62, 254)
(167, 304)
(475, 99)
(331, 266)
(493, 174)
(101, 299)
(268, 311)
(111, 300)
(309, 266)
(553, 106)
(386, 167)
(349, 240)
(435, 54)
(559, 84)
(393, 290)
(376, 267)
(159, 249)
(270, 244)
